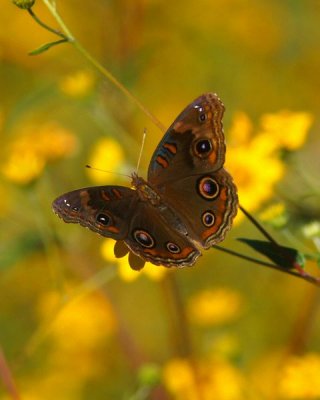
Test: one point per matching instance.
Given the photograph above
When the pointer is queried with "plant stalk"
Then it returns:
(106, 73)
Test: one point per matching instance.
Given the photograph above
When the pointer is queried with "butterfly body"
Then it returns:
(186, 205)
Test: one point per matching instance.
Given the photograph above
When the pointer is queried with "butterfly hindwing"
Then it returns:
(151, 237)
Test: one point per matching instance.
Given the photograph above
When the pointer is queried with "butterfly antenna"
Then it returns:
(141, 149)
(107, 172)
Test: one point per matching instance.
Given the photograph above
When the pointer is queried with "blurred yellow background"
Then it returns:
(76, 323)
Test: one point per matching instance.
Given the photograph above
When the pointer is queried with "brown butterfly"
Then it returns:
(186, 205)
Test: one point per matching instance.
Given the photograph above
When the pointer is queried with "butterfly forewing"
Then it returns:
(103, 209)
(197, 127)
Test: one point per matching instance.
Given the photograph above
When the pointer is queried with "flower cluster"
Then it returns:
(35, 146)
(207, 380)
(299, 378)
(254, 160)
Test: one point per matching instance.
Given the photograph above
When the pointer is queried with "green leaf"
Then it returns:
(46, 47)
(285, 257)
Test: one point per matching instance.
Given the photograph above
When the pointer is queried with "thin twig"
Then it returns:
(258, 226)
(45, 26)
(305, 276)
(301, 273)
(7, 378)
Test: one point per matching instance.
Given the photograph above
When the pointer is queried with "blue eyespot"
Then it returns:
(208, 188)
(173, 248)
(208, 218)
(143, 238)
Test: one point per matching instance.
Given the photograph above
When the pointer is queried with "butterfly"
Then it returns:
(187, 204)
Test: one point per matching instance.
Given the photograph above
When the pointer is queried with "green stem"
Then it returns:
(52, 8)
(258, 226)
(305, 276)
(178, 324)
(301, 273)
(100, 68)
(45, 26)
(119, 85)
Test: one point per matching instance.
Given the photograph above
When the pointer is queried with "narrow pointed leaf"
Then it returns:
(282, 256)
(46, 47)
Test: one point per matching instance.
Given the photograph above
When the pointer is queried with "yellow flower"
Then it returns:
(90, 318)
(78, 332)
(206, 380)
(253, 163)
(254, 173)
(54, 142)
(254, 160)
(153, 272)
(107, 155)
(225, 382)
(275, 214)
(215, 306)
(77, 84)
(107, 250)
(125, 271)
(300, 377)
(28, 154)
(241, 129)
(24, 166)
(287, 129)
(179, 379)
